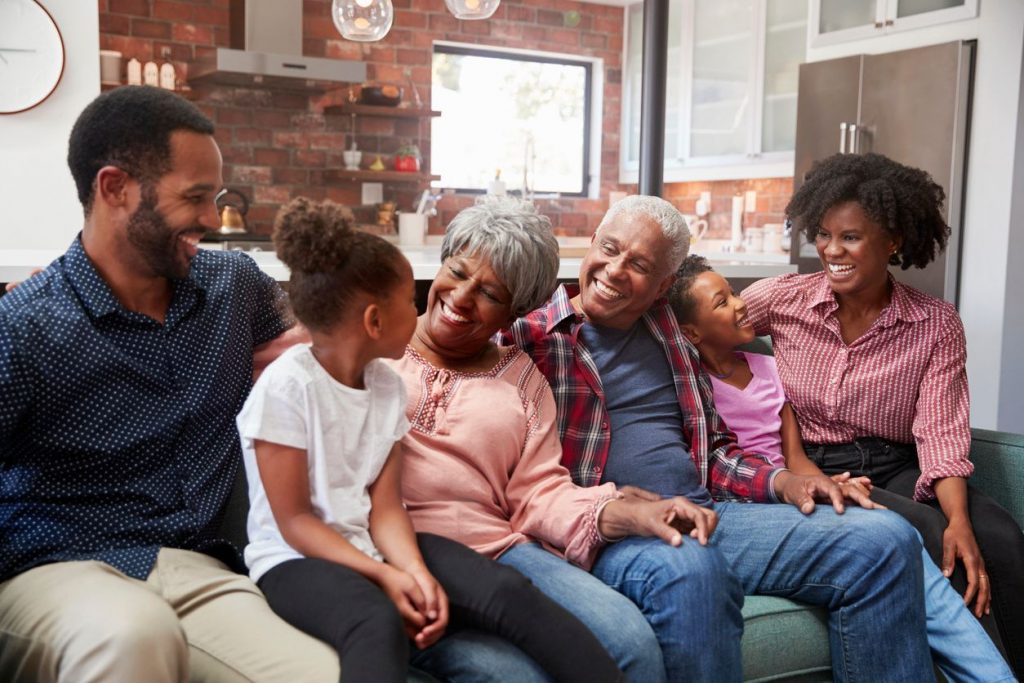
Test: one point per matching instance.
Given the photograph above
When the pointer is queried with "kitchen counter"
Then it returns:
(16, 264)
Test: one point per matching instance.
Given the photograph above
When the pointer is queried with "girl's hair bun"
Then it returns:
(313, 237)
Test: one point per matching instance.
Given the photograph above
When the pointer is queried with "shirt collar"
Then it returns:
(99, 300)
(560, 308)
(901, 305)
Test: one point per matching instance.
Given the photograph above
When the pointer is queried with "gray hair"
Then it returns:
(516, 240)
(672, 223)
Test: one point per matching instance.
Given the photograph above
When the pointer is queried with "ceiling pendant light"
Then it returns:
(472, 9)
(364, 20)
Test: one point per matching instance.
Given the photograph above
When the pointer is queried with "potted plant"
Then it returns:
(407, 158)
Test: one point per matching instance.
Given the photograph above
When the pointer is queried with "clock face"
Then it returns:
(31, 55)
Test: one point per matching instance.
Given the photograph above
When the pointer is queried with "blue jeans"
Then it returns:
(610, 616)
(960, 646)
(864, 566)
(471, 657)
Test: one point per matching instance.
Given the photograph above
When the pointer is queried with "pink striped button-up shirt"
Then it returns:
(903, 380)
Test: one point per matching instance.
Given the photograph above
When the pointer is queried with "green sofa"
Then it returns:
(786, 641)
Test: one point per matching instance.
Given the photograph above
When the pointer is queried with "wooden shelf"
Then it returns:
(187, 94)
(340, 174)
(392, 112)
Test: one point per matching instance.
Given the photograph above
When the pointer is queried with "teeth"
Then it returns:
(606, 290)
(741, 322)
(452, 315)
(191, 239)
(839, 269)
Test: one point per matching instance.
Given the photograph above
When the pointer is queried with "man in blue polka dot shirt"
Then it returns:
(122, 366)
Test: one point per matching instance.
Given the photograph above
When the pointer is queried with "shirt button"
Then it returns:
(604, 425)
(597, 469)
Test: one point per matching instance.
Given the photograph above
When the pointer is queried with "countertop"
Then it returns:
(16, 264)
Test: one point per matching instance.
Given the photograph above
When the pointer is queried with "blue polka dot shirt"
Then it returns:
(117, 432)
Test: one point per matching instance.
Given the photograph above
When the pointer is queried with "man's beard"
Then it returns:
(155, 241)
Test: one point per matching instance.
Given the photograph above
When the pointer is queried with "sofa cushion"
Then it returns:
(784, 640)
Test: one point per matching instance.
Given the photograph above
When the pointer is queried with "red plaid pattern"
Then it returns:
(551, 336)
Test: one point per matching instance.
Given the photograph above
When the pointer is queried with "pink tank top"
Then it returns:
(753, 412)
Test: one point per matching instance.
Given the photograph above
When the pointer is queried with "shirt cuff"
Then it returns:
(597, 517)
(771, 484)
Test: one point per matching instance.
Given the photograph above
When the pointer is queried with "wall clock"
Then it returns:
(31, 55)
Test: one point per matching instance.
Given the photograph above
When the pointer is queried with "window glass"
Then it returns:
(523, 116)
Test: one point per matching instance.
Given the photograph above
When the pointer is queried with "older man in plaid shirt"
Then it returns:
(635, 408)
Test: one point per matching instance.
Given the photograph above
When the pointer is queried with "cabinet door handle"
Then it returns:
(879, 24)
(853, 138)
(842, 137)
(888, 22)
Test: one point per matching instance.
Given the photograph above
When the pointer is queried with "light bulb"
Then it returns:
(472, 9)
(363, 20)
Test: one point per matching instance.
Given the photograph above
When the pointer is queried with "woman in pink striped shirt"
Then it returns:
(875, 371)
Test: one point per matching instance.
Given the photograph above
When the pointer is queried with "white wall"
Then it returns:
(40, 205)
(991, 298)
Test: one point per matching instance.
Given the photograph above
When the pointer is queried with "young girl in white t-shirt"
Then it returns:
(330, 543)
(749, 395)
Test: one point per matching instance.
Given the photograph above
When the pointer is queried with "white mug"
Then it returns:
(412, 228)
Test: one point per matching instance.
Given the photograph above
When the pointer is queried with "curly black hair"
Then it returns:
(680, 296)
(129, 127)
(904, 201)
(330, 262)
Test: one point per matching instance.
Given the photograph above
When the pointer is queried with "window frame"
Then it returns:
(590, 179)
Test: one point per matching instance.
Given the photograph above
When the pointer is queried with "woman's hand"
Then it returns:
(958, 542)
(641, 513)
(856, 490)
(435, 607)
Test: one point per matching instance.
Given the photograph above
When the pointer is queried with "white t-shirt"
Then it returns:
(347, 435)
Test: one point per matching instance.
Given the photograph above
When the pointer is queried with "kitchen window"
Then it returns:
(731, 88)
(525, 116)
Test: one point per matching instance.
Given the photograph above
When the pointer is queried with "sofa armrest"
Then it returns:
(999, 468)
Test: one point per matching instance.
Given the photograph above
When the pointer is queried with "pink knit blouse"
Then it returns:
(481, 463)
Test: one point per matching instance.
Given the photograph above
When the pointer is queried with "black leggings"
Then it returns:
(894, 471)
(351, 613)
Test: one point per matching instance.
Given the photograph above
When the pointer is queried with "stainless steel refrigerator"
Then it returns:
(912, 106)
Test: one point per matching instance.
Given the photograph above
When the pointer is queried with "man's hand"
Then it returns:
(802, 490)
(637, 514)
(958, 541)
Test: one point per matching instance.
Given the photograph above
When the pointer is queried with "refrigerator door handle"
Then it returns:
(853, 138)
(842, 137)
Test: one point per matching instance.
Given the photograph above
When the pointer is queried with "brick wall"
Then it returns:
(772, 196)
(278, 145)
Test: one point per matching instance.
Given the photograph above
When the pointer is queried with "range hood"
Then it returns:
(266, 51)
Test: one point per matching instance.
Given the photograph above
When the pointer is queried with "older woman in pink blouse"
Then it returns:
(875, 371)
(481, 462)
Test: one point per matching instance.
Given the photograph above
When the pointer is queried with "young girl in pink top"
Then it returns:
(331, 544)
(750, 398)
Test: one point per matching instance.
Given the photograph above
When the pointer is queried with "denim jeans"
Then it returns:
(864, 566)
(894, 470)
(616, 621)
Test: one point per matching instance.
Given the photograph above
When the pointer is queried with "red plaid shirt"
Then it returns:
(551, 336)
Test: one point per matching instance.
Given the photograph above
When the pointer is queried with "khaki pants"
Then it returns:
(191, 620)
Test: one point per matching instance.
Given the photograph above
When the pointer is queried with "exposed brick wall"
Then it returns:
(278, 144)
(772, 196)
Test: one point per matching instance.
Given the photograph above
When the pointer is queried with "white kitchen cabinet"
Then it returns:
(840, 21)
(731, 90)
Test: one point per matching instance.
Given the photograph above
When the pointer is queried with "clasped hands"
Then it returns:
(643, 513)
(420, 600)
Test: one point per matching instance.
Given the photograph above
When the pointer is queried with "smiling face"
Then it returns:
(719, 319)
(398, 313)
(854, 250)
(624, 272)
(174, 211)
(466, 306)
